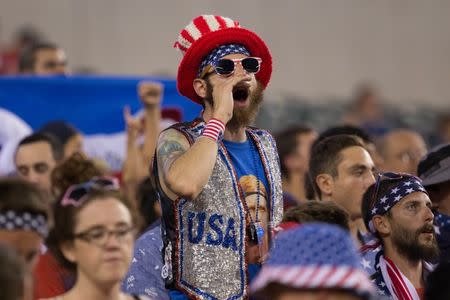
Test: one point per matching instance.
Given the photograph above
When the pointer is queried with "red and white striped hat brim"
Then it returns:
(207, 32)
(315, 277)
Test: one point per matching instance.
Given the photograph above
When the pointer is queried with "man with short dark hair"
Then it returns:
(43, 59)
(397, 210)
(434, 170)
(359, 132)
(36, 156)
(318, 211)
(341, 169)
(294, 145)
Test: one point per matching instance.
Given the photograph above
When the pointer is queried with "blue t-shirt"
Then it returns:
(248, 165)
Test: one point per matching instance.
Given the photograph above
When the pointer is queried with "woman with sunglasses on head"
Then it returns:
(50, 277)
(94, 237)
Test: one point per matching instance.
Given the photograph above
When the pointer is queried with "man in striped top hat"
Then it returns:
(397, 210)
(218, 179)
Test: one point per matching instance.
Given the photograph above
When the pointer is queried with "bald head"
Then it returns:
(402, 150)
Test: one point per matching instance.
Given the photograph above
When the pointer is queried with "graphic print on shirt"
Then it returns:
(256, 199)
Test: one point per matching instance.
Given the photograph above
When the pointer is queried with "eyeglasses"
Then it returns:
(100, 236)
(227, 66)
(76, 194)
(382, 177)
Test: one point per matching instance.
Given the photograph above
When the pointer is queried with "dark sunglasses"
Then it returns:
(76, 194)
(226, 66)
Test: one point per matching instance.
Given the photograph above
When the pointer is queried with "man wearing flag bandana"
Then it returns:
(209, 224)
(397, 210)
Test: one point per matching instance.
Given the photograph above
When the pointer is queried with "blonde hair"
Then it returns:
(249, 184)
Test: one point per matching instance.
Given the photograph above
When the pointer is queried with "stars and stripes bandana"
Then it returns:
(400, 288)
(382, 205)
(315, 256)
(220, 52)
(12, 220)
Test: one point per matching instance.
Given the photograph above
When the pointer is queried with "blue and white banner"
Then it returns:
(93, 104)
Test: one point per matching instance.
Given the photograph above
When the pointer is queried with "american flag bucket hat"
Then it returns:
(315, 256)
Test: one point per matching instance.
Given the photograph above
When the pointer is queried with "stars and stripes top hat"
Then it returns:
(315, 256)
(208, 32)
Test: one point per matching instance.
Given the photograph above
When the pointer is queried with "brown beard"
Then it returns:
(407, 243)
(242, 117)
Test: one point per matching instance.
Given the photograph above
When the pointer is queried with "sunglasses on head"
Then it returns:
(382, 177)
(227, 66)
(76, 194)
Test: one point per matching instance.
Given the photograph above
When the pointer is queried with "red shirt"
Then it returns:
(51, 279)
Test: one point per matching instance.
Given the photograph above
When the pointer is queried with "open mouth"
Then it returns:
(428, 229)
(240, 92)
(428, 232)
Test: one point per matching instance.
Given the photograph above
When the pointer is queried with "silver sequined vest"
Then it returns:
(205, 239)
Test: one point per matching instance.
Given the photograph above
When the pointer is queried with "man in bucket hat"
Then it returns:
(219, 180)
(397, 210)
(313, 261)
(434, 170)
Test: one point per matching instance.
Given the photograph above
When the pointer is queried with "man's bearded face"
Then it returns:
(242, 116)
(417, 244)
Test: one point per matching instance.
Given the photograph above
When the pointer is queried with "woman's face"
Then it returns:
(103, 244)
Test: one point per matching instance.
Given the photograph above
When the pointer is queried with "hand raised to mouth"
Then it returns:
(223, 96)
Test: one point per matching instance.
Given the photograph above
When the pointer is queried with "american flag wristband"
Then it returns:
(214, 129)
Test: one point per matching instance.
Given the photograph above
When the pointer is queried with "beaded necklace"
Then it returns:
(255, 229)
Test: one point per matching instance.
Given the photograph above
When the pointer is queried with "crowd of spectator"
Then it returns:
(366, 206)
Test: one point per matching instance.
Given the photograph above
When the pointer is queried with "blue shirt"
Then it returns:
(144, 276)
(246, 162)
